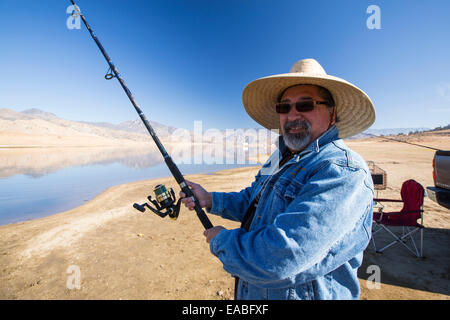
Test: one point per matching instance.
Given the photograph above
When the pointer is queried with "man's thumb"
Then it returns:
(190, 183)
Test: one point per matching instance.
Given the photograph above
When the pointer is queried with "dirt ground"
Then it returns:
(120, 253)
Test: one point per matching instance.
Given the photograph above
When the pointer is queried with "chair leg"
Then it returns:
(418, 254)
(375, 230)
(409, 234)
(413, 242)
(401, 240)
(421, 242)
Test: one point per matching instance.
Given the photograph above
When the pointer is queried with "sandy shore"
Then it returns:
(124, 254)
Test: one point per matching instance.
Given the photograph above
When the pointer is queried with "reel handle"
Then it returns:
(139, 207)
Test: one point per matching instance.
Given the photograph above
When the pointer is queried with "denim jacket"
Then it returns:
(310, 228)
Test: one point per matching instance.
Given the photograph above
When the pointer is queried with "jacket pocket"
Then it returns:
(286, 191)
(292, 190)
(287, 188)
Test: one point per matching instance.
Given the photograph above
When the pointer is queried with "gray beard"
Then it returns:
(297, 141)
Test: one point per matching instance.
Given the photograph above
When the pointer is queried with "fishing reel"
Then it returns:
(165, 200)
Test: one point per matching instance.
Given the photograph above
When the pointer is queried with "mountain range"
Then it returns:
(135, 126)
(35, 122)
(35, 127)
(386, 132)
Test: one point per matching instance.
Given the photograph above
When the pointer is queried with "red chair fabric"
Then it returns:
(412, 194)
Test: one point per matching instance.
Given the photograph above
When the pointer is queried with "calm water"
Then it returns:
(39, 182)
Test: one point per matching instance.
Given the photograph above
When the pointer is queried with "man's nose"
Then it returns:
(294, 114)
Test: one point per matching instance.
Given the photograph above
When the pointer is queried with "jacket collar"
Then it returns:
(271, 166)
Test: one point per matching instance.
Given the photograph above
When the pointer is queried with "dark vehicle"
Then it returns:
(441, 176)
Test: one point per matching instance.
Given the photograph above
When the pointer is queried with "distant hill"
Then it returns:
(40, 114)
(441, 128)
(6, 114)
(42, 122)
(34, 127)
(137, 126)
(35, 122)
(386, 132)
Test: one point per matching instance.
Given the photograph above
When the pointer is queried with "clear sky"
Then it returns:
(187, 60)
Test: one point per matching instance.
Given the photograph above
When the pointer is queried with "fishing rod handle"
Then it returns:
(198, 209)
(188, 192)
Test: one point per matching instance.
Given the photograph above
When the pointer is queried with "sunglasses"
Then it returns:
(303, 105)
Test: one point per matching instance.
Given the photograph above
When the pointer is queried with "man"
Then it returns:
(306, 219)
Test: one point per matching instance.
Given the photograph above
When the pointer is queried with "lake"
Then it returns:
(37, 182)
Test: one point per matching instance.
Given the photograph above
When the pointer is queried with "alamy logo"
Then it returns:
(374, 280)
(74, 278)
(74, 21)
(374, 20)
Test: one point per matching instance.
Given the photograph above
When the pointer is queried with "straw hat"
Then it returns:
(355, 111)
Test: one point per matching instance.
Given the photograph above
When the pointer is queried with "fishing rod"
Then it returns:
(407, 142)
(165, 199)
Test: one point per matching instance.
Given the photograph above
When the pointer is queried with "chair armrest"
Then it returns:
(392, 213)
(386, 200)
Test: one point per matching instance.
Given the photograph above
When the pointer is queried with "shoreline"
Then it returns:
(109, 227)
(73, 204)
(50, 194)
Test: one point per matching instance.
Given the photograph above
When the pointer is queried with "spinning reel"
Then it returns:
(164, 201)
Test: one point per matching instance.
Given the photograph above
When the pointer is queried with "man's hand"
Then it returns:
(204, 197)
(205, 200)
(211, 233)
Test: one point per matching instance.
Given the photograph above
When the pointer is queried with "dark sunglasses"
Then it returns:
(303, 105)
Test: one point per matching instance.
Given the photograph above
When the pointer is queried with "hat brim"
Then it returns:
(354, 108)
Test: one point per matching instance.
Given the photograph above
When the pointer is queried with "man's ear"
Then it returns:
(333, 116)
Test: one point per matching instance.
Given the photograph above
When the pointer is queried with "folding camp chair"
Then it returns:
(412, 194)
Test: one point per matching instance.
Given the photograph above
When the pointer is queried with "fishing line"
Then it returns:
(414, 144)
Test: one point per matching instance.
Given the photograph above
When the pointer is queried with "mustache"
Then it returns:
(296, 124)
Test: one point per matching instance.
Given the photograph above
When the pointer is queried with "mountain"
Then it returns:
(6, 114)
(138, 126)
(35, 127)
(441, 128)
(386, 132)
(114, 130)
(135, 126)
(40, 114)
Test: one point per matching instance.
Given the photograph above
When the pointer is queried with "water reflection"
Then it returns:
(36, 182)
(37, 162)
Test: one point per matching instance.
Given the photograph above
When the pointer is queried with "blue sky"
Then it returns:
(188, 60)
